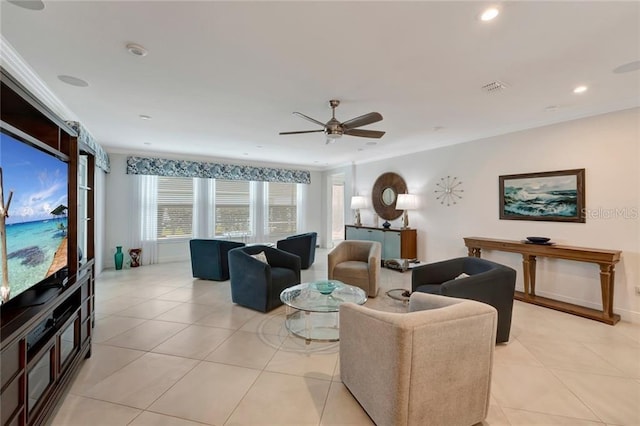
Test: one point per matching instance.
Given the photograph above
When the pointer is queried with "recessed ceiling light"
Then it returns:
(136, 49)
(147, 143)
(551, 108)
(73, 81)
(631, 66)
(245, 153)
(580, 89)
(258, 146)
(144, 117)
(371, 143)
(437, 128)
(489, 14)
(360, 149)
(28, 4)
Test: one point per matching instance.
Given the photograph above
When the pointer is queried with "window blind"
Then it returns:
(175, 207)
(233, 209)
(282, 210)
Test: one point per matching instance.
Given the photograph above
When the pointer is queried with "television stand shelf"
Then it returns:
(46, 322)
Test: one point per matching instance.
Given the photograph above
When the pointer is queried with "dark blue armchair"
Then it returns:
(303, 245)
(488, 282)
(209, 258)
(257, 285)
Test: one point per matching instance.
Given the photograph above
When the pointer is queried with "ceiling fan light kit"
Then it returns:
(334, 129)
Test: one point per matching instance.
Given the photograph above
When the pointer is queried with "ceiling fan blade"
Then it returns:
(313, 120)
(363, 120)
(364, 133)
(301, 131)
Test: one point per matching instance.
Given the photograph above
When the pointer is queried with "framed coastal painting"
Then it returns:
(549, 196)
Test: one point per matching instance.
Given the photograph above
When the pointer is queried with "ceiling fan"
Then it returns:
(335, 129)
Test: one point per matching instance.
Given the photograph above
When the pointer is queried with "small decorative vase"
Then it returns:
(135, 255)
(118, 257)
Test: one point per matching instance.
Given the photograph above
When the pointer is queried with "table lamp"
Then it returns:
(406, 202)
(358, 202)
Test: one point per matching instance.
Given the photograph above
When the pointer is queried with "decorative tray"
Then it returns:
(546, 243)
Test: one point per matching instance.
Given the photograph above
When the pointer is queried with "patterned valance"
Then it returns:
(102, 158)
(184, 168)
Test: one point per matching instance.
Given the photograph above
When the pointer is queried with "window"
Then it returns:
(233, 208)
(175, 207)
(206, 208)
(282, 212)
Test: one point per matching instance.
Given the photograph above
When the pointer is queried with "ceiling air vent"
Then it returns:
(494, 87)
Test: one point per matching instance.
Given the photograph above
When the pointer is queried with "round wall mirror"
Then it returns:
(388, 196)
(385, 194)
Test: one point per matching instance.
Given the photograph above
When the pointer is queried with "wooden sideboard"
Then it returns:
(605, 259)
(396, 243)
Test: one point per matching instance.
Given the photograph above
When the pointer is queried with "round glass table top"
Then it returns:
(322, 296)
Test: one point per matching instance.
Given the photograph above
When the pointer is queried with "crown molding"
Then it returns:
(19, 69)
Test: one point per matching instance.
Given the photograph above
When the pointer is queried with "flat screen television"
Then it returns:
(35, 190)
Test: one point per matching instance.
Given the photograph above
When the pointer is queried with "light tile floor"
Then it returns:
(171, 350)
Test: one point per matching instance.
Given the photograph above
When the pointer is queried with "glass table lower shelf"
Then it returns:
(314, 326)
(313, 308)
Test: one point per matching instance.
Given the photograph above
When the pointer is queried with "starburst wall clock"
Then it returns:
(449, 190)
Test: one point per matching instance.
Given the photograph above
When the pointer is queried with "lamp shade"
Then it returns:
(407, 202)
(358, 202)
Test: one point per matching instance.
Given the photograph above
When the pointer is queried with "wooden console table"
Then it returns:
(606, 259)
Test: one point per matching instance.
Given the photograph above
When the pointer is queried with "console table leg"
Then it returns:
(532, 275)
(525, 271)
(474, 251)
(606, 285)
(529, 269)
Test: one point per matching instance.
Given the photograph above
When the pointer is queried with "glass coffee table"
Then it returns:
(312, 308)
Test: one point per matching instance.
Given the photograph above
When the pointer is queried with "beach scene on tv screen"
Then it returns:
(36, 224)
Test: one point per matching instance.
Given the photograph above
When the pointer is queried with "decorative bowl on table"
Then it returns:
(326, 287)
(538, 240)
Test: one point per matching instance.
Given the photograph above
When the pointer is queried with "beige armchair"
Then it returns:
(431, 366)
(357, 263)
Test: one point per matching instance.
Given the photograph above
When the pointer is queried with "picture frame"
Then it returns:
(557, 196)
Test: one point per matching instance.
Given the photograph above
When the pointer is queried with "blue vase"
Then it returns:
(118, 257)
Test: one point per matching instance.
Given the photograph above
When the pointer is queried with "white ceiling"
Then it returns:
(222, 78)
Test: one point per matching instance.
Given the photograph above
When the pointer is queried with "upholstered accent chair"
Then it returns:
(303, 245)
(430, 366)
(257, 284)
(486, 281)
(356, 263)
(209, 258)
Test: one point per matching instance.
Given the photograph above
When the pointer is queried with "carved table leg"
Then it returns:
(606, 285)
(532, 275)
(474, 251)
(525, 270)
(529, 269)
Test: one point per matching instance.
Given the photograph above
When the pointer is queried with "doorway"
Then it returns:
(337, 209)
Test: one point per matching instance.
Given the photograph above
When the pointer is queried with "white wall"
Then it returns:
(100, 205)
(119, 220)
(607, 146)
(313, 211)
